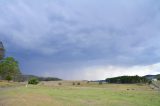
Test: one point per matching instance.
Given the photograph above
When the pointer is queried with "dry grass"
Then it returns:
(85, 94)
(29, 100)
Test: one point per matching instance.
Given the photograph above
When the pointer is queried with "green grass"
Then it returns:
(83, 95)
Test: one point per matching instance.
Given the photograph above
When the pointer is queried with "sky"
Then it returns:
(82, 39)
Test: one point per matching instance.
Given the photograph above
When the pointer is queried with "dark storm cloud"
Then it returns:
(81, 33)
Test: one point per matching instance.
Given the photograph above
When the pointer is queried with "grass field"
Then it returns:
(66, 94)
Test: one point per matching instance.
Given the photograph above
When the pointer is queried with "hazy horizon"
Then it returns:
(82, 39)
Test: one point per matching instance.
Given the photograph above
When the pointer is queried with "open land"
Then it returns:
(68, 93)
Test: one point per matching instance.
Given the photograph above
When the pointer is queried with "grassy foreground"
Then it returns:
(79, 95)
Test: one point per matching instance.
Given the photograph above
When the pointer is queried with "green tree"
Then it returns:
(33, 81)
(8, 78)
(9, 67)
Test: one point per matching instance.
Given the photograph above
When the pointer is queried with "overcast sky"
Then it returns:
(82, 39)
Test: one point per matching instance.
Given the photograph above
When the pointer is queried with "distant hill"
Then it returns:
(150, 77)
(27, 77)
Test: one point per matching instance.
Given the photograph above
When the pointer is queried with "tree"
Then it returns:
(33, 81)
(9, 68)
(8, 78)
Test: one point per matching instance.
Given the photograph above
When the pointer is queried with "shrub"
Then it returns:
(33, 81)
(150, 82)
(8, 78)
(73, 83)
(59, 83)
(78, 83)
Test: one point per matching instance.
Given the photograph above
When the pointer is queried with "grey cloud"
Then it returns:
(105, 32)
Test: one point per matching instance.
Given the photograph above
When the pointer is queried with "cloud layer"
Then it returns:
(59, 34)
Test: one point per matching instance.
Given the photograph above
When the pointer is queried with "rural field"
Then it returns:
(65, 93)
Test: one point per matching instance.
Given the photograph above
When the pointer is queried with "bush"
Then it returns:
(78, 83)
(8, 78)
(59, 83)
(73, 83)
(33, 81)
(150, 82)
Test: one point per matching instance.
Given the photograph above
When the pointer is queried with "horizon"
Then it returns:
(87, 80)
(82, 40)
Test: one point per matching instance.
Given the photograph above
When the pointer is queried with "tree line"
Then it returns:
(127, 79)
